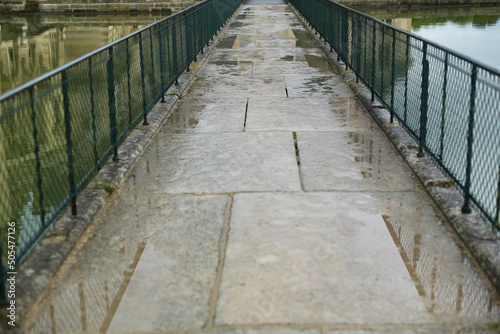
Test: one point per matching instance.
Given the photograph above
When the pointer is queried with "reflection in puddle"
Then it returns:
(238, 24)
(314, 61)
(182, 121)
(367, 154)
(235, 42)
(89, 306)
(460, 293)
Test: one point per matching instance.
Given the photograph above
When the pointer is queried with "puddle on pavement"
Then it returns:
(238, 24)
(236, 42)
(89, 306)
(246, 16)
(201, 115)
(288, 38)
(316, 85)
(215, 69)
(231, 62)
(314, 61)
(181, 122)
(369, 153)
(453, 287)
(129, 272)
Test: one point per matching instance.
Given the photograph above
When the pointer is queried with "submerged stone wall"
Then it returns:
(85, 6)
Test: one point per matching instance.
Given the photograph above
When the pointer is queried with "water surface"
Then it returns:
(31, 45)
(472, 31)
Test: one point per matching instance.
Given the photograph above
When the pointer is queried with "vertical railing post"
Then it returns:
(407, 64)
(364, 46)
(374, 41)
(443, 107)
(92, 113)
(112, 105)
(345, 38)
(470, 140)
(174, 50)
(497, 215)
(351, 32)
(358, 48)
(162, 61)
(151, 50)
(37, 155)
(423, 102)
(129, 95)
(143, 81)
(185, 43)
(382, 61)
(69, 143)
(393, 76)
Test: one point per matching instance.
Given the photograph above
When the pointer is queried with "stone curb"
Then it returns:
(473, 229)
(35, 273)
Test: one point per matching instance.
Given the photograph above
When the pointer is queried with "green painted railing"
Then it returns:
(448, 102)
(57, 130)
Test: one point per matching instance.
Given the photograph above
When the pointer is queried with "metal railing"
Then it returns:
(57, 130)
(448, 102)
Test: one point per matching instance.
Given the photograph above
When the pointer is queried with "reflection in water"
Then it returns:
(32, 45)
(462, 294)
(89, 306)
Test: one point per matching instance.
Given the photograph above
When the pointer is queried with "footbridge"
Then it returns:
(260, 167)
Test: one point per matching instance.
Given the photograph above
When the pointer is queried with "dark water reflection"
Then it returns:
(31, 45)
(472, 31)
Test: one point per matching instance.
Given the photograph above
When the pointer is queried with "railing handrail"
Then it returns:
(86, 56)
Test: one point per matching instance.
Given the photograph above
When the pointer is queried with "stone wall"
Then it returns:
(387, 3)
(11, 5)
(83, 6)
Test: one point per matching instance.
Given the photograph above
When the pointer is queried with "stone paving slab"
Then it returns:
(234, 86)
(286, 53)
(316, 85)
(216, 68)
(301, 114)
(295, 65)
(263, 43)
(286, 265)
(302, 258)
(358, 160)
(164, 252)
(246, 55)
(217, 163)
(237, 41)
(207, 115)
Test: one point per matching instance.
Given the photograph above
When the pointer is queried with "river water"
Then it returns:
(31, 45)
(472, 31)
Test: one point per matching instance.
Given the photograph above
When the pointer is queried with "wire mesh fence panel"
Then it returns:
(448, 102)
(57, 130)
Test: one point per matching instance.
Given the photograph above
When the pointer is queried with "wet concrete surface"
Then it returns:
(269, 203)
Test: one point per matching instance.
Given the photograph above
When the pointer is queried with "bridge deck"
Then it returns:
(270, 202)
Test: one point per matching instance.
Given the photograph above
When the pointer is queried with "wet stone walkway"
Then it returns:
(269, 203)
